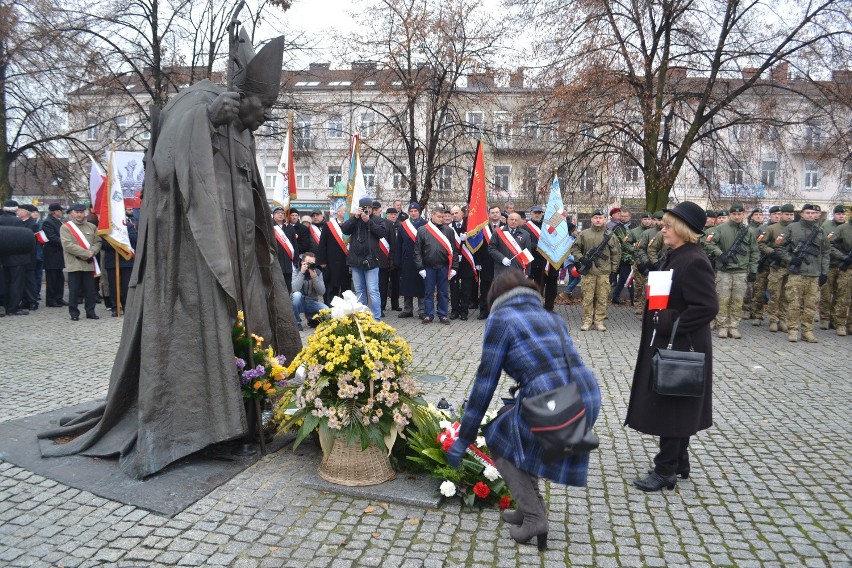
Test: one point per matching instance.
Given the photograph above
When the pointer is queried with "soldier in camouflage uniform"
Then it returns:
(623, 278)
(806, 251)
(828, 293)
(841, 252)
(758, 290)
(733, 250)
(754, 221)
(777, 282)
(596, 286)
(639, 279)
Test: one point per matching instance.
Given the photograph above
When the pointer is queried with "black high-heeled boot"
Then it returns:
(655, 482)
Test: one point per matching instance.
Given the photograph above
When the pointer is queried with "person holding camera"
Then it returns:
(308, 290)
(365, 231)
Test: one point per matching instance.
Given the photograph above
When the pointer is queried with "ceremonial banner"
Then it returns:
(555, 243)
(285, 182)
(355, 188)
(112, 221)
(477, 206)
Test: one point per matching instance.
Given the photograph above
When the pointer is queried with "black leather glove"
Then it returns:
(823, 278)
(752, 277)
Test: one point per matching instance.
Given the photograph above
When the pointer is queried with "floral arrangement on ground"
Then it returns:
(477, 483)
(266, 377)
(351, 382)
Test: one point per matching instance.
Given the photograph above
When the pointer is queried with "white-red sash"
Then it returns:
(337, 233)
(445, 242)
(467, 255)
(534, 229)
(514, 248)
(486, 232)
(285, 243)
(385, 246)
(83, 242)
(410, 229)
(315, 233)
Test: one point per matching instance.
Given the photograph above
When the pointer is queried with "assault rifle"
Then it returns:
(803, 250)
(846, 262)
(594, 256)
(729, 255)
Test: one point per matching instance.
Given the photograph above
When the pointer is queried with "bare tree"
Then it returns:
(647, 80)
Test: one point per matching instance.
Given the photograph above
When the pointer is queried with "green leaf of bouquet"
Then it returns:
(436, 454)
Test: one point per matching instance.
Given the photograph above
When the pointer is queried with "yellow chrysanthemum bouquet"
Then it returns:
(266, 376)
(350, 382)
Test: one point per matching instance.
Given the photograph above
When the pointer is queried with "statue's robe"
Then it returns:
(174, 388)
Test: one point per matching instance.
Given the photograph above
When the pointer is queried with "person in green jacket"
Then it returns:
(732, 248)
(595, 271)
(777, 268)
(758, 289)
(805, 248)
(633, 239)
(841, 252)
(828, 293)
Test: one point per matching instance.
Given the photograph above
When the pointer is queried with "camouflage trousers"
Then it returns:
(596, 291)
(827, 295)
(777, 295)
(639, 283)
(802, 302)
(842, 298)
(758, 291)
(730, 287)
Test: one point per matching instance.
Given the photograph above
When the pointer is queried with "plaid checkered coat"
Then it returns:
(526, 341)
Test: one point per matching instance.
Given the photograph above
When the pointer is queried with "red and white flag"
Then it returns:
(112, 221)
(97, 185)
(285, 182)
(658, 289)
(41, 237)
(524, 256)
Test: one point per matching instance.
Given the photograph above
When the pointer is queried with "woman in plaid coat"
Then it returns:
(527, 342)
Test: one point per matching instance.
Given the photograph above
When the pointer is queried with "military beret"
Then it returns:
(55, 207)
(710, 214)
(839, 209)
(597, 212)
(810, 207)
(775, 209)
(788, 208)
(737, 208)
(536, 209)
(658, 214)
(756, 210)
(77, 207)
(646, 215)
(613, 211)
(722, 213)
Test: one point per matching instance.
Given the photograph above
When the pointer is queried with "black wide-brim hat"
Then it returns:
(690, 213)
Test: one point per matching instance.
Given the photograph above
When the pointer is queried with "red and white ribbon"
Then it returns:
(410, 229)
(385, 246)
(536, 232)
(337, 233)
(285, 243)
(467, 255)
(445, 242)
(523, 255)
(316, 232)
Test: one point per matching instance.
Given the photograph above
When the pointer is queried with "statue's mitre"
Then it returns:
(260, 74)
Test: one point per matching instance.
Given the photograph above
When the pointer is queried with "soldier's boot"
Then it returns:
(841, 331)
(586, 326)
(793, 336)
(723, 332)
(782, 326)
(757, 322)
(823, 323)
(600, 326)
(734, 333)
(773, 326)
(809, 337)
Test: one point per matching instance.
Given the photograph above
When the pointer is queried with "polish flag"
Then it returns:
(659, 288)
(41, 237)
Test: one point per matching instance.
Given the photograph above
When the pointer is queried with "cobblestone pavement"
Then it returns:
(770, 481)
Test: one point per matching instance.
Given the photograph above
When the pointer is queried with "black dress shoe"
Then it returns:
(454, 315)
(62, 303)
(655, 482)
(33, 307)
(115, 313)
(681, 473)
(94, 317)
(482, 316)
(75, 318)
(397, 309)
(53, 305)
(463, 317)
(405, 315)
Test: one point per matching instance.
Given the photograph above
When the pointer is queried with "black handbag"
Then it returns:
(558, 421)
(677, 373)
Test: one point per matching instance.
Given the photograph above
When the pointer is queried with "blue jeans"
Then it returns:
(366, 284)
(436, 277)
(307, 306)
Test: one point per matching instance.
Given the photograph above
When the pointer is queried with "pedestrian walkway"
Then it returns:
(770, 482)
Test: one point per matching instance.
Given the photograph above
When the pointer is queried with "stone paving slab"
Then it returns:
(769, 486)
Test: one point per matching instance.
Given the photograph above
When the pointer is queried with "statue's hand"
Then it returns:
(224, 109)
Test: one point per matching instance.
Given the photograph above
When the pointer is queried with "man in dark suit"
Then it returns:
(461, 284)
(288, 249)
(484, 262)
(507, 246)
(54, 260)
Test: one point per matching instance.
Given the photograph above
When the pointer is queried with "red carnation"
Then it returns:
(481, 490)
(505, 502)
(446, 445)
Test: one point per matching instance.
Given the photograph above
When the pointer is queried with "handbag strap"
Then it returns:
(672, 337)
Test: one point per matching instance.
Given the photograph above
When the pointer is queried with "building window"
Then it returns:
(530, 180)
(587, 180)
(303, 178)
(846, 178)
(270, 128)
(811, 176)
(334, 176)
(768, 170)
(146, 126)
(302, 132)
(502, 176)
(270, 176)
(502, 130)
(335, 126)
(400, 178)
(92, 130)
(369, 175)
(368, 124)
(705, 171)
(631, 173)
(121, 123)
(739, 132)
(445, 178)
(813, 135)
(476, 124)
(530, 127)
(553, 131)
(735, 176)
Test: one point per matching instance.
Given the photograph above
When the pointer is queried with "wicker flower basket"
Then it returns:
(350, 465)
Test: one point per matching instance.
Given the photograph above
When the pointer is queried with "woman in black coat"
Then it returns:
(692, 298)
